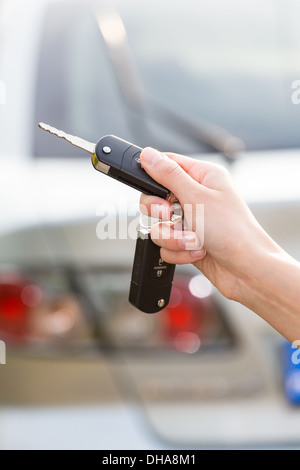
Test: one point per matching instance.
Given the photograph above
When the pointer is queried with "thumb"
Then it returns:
(166, 172)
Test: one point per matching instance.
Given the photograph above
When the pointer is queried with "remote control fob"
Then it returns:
(121, 160)
(152, 277)
(117, 158)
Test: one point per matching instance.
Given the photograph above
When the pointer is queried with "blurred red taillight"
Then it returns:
(186, 313)
(191, 320)
(30, 314)
(14, 313)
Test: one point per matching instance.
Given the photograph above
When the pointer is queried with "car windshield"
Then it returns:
(231, 63)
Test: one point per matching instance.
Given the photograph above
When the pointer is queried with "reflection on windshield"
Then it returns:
(227, 62)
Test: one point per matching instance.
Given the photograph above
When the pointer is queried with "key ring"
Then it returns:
(177, 216)
(152, 277)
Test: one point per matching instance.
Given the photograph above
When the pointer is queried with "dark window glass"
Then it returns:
(227, 62)
(76, 90)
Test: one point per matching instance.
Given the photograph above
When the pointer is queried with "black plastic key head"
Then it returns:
(121, 160)
(152, 277)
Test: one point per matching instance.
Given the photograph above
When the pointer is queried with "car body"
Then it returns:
(107, 376)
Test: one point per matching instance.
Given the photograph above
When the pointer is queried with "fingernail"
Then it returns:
(198, 254)
(188, 241)
(150, 156)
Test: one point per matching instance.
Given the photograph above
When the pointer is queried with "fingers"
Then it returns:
(182, 257)
(188, 162)
(182, 176)
(164, 235)
(167, 172)
(210, 175)
(178, 247)
(155, 207)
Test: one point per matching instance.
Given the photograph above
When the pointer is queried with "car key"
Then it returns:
(152, 278)
(116, 158)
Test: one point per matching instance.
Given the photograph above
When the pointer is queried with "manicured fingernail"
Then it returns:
(150, 156)
(188, 241)
(198, 254)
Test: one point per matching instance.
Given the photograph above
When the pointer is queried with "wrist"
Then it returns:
(254, 268)
(270, 290)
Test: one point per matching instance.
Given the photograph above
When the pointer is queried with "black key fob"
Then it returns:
(121, 160)
(152, 277)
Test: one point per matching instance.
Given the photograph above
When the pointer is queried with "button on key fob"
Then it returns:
(152, 277)
(116, 158)
(121, 160)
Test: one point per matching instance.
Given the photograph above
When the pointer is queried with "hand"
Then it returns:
(224, 249)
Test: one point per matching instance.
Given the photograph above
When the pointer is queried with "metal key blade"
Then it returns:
(72, 139)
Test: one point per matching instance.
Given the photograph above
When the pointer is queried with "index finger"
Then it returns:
(197, 169)
(153, 206)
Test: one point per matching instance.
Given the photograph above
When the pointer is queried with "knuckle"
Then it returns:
(221, 170)
(144, 209)
(173, 169)
(143, 198)
(166, 255)
(145, 203)
(224, 171)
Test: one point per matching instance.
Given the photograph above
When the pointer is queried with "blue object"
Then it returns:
(291, 371)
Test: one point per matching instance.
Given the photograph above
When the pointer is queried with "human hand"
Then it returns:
(224, 243)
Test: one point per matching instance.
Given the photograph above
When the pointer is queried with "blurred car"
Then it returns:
(84, 368)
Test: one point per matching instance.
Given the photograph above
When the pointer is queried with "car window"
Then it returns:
(76, 87)
(229, 62)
